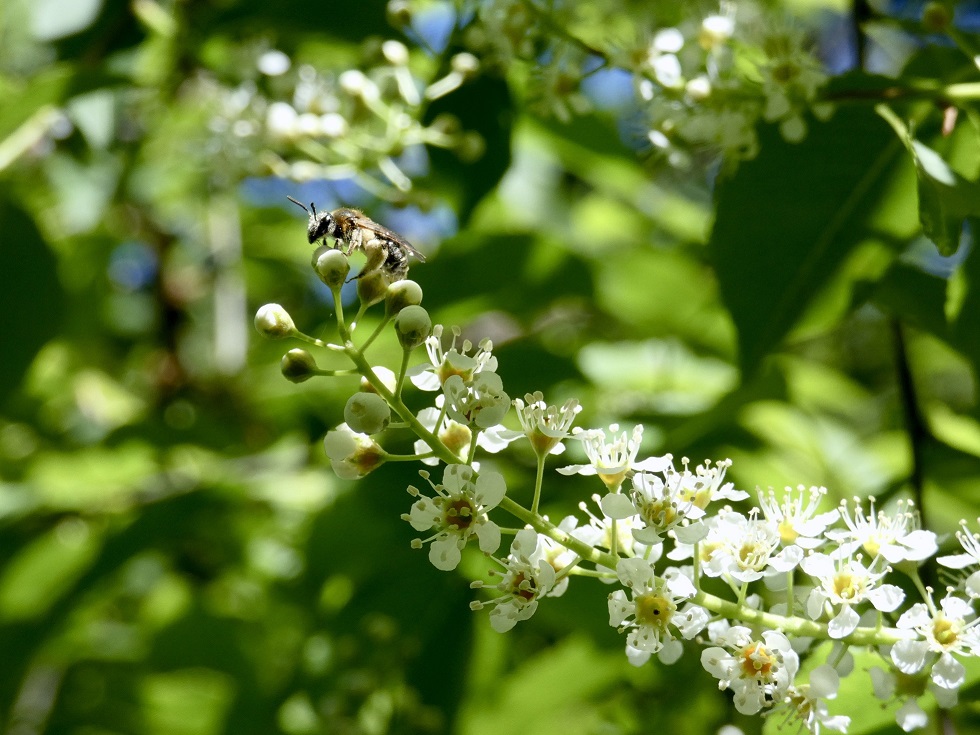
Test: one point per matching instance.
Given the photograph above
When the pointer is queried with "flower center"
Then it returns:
(759, 662)
(654, 610)
(523, 587)
(946, 632)
(872, 545)
(753, 555)
(459, 512)
(787, 533)
(847, 586)
(659, 513)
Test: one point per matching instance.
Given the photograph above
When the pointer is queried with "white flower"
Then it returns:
(661, 506)
(759, 672)
(896, 535)
(716, 30)
(528, 576)
(481, 401)
(944, 632)
(613, 460)
(454, 435)
(457, 437)
(971, 545)
(445, 363)
(846, 582)
(806, 702)
(456, 513)
(599, 533)
(796, 516)
(704, 485)
(352, 455)
(662, 57)
(545, 426)
(558, 556)
(742, 549)
(651, 609)
(910, 716)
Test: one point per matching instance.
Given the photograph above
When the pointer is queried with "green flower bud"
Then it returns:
(399, 13)
(331, 266)
(412, 325)
(372, 288)
(401, 294)
(367, 413)
(936, 17)
(274, 322)
(298, 365)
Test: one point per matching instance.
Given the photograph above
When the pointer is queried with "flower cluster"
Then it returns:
(690, 566)
(700, 82)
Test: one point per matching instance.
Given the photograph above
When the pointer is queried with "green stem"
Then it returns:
(794, 626)
(790, 600)
(375, 333)
(538, 483)
(335, 373)
(296, 334)
(402, 372)
(397, 405)
(696, 562)
(407, 457)
(338, 307)
(923, 590)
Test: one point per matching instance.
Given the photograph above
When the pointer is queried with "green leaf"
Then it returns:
(915, 297)
(788, 219)
(966, 326)
(483, 106)
(945, 197)
(32, 295)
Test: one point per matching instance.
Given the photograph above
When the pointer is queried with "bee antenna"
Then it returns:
(301, 205)
(313, 207)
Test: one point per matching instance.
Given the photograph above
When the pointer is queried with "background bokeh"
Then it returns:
(176, 555)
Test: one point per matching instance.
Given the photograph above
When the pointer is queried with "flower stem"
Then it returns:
(538, 482)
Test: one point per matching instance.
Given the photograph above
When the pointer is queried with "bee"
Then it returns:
(386, 251)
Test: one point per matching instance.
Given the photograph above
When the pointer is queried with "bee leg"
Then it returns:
(376, 252)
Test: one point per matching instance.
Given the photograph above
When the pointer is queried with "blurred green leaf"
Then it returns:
(787, 219)
(946, 199)
(483, 106)
(913, 296)
(33, 295)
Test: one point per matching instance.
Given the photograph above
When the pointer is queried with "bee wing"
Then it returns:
(369, 224)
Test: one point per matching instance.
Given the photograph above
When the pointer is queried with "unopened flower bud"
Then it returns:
(367, 413)
(386, 376)
(331, 266)
(401, 294)
(395, 52)
(471, 146)
(412, 325)
(274, 322)
(399, 12)
(465, 64)
(715, 30)
(936, 17)
(298, 365)
(352, 455)
(372, 288)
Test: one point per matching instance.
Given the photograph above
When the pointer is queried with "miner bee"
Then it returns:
(386, 251)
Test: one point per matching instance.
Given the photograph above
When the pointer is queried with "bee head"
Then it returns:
(321, 224)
